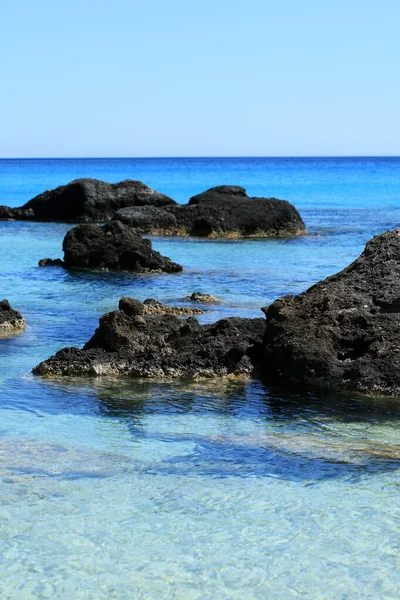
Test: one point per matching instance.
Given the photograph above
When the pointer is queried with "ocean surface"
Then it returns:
(119, 489)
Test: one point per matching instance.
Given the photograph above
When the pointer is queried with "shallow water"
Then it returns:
(121, 489)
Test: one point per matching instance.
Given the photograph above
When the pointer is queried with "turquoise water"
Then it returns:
(117, 489)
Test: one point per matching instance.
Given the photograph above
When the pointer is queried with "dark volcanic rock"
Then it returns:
(86, 200)
(131, 306)
(15, 214)
(344, 331)
(11, 321)
(51, 262)
(162, 347)
(113, 246)
(220, 193)
(223, 211)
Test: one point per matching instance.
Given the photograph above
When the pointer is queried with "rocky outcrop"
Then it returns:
(15, 214)
(113, 246)
(51, 262)
(202, 298)
(344, 331)
(129, 342)
(223, 211)
(11, 321)
(86, 200)
(154, 307)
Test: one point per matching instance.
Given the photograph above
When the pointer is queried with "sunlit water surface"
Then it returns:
(119, 489)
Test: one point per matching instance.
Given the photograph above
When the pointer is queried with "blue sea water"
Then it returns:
(119, 489)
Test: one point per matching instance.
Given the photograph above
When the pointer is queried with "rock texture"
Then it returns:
(154, 307)
(11, 321)
(85, 200)
(202, 298)
(51, 262)
(129, 342)
(344, 331)
(113, 246)
(223, 211)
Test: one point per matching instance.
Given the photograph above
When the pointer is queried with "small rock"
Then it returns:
(203, 298)
(114, 246)
(154, 307)
(11, 321)
(51, 262)
(131, 306)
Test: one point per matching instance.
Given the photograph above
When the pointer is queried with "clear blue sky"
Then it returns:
(199, 77)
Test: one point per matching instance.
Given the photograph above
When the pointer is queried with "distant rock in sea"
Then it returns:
(130, 342)
(113, 246)
(86, 200)
(344, 331)
(223, 211)
(11, 321)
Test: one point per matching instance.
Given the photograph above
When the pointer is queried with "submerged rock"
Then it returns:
(113, 246)
(11, 321)
(86, 200)
(129, 342)
(202, 298)
(223, 211)
(344, 331)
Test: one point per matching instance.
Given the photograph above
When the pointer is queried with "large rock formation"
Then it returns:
(344, 331)
(113, 246)
(128, 342)
(11, 321)
(223, 211)
(85, 200)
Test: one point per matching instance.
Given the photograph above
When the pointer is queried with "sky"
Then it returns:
(131, 78)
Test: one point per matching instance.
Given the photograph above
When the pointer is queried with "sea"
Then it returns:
(119, 489)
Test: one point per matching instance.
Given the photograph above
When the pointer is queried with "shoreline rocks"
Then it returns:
(344, 331)
(223, 211)
(154, 307)
(11, 321)
(113, 246)
(129, 342)
(202, 298)
(86, 200)
(51, 262)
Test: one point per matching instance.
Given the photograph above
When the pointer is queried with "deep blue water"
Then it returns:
(119, 489)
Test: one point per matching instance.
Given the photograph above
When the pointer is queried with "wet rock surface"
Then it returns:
(223, 211)
(344, 331)
(11, 321)
(154, 307)
(202, 298)
(51, 262)
(129, 342)
(86, 200)
(113, 246)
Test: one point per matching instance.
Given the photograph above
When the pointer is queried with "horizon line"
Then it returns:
(311, 156)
